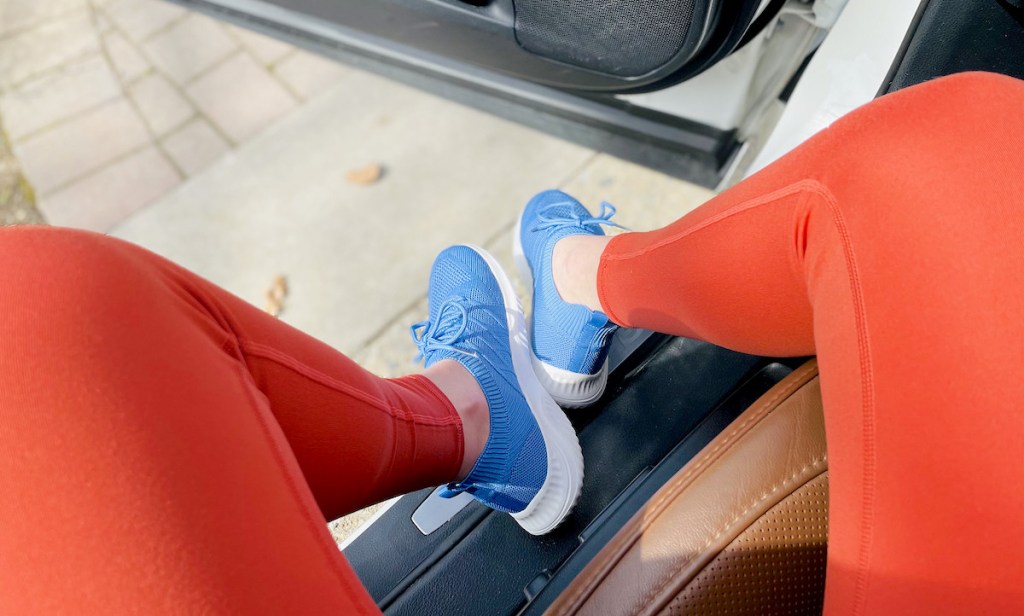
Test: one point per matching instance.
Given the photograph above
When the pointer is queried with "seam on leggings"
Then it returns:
(868, 476)
(772, 197)
(315, 526)
(814, 187)
(803, 186)
(602, 297)
(460, 433)
(401, 431)
(271, 354)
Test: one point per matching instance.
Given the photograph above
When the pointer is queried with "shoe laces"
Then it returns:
(480, 490)
(445, 332)
(574, 219)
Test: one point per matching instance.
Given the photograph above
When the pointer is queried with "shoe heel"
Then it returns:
(571, 389)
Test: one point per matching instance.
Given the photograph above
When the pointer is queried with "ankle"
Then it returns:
(463, 391)
(574, 263)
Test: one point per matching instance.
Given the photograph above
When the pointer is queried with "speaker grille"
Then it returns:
(625, 38)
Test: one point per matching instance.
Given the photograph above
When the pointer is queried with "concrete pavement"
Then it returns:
(357, 257)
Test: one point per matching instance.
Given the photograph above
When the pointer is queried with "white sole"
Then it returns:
(570, 389)
(564, 480)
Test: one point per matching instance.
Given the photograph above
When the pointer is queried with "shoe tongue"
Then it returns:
(568, 211)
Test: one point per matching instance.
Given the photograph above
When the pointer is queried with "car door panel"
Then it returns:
(613, 46)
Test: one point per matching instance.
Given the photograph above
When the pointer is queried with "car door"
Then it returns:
(553, 64)
(608, 46)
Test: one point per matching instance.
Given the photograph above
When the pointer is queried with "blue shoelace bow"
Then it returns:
(603, 218)
(445, 332)
(455, 488)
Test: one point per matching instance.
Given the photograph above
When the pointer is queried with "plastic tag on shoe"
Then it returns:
(436, 510)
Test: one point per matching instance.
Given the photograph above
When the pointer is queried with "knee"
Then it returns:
(50, 268)
(937, 117)
(972, 92)
(969, 105)
(53, 251)
(930, 134)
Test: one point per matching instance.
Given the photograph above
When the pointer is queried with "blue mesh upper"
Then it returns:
(467, 324)
(568, 336)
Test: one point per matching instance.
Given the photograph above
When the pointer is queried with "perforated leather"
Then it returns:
(739, 530)
(777, 566)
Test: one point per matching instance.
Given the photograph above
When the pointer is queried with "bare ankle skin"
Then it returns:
(574, 262)
(461, 388)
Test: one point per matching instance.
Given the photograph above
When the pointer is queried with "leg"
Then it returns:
(890, 246)
(167, 447)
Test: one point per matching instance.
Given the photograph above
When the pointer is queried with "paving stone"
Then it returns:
(240, 97)
(51, 44)
(355, 256)
(101, 200)
(127, 60)
(266, 49)
(195, 146)
(80, 145)
(103, 22)
(141, 18)
(58, 95)
(189, 47)
(309, 74)
(17, 200)
(160, 103)
(23, 14)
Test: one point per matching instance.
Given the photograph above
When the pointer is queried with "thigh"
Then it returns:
(915, 272)
(142, 470)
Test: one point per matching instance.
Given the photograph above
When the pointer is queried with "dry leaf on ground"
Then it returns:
(364, 176)
(276, 294)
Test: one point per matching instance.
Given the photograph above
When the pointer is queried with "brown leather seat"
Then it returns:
(741, 529)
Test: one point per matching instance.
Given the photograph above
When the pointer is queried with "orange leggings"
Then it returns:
(892, 246)
(167, 447)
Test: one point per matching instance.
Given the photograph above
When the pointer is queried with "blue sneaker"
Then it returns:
(531, 466)
(569, 341)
